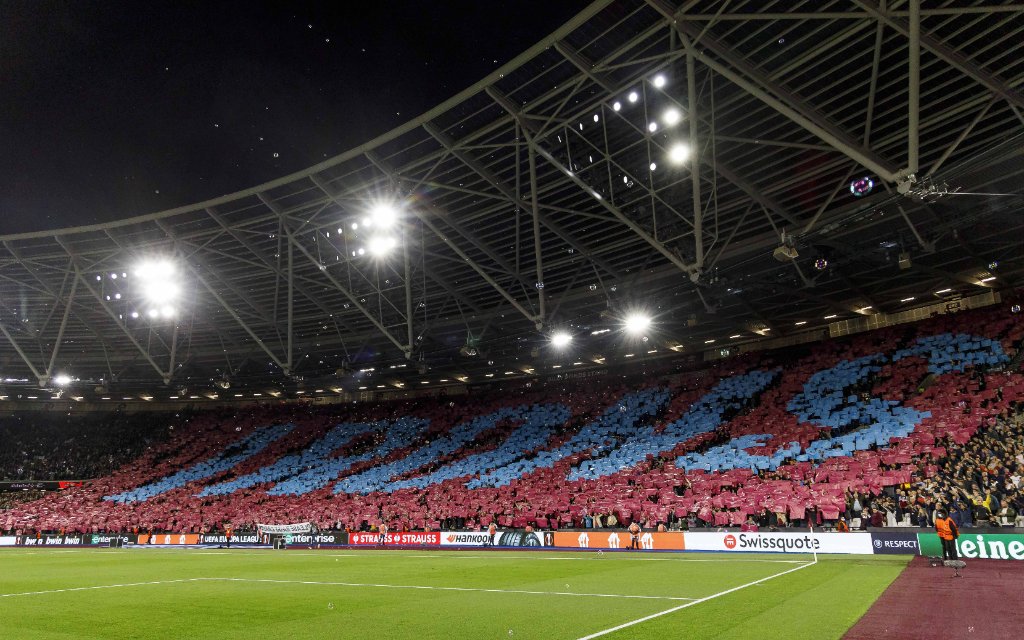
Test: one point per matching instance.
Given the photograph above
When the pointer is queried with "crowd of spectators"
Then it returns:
(982, 481)
(40, 445)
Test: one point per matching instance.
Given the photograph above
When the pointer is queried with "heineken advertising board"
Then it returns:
(996, 546)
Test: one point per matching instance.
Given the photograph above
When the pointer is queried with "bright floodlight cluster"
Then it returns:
(678, 153)
(378, 223)
(158, 286)
(637, 323)
(561, 339)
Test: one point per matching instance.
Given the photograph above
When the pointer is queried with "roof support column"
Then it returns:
(408, 293)
(63, 325)
(914, 87)
(698, 211)
(537, 252)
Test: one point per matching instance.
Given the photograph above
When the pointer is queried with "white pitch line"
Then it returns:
(695, 602)
(511, 555)
(102, 586)
(434, 588)
(455, 555)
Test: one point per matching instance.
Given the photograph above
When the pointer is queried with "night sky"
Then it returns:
(114, 109)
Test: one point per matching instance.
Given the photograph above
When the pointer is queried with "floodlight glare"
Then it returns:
(659, 81)
(62, 379)
(637, 323)
(671, 117)
(561, 339)
(381, 245)
(679, 153)
(384, 215)
(616, 106)
(633, 96)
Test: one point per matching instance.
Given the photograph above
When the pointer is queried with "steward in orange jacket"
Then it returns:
(948, 533)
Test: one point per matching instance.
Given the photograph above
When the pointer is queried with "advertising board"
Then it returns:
(782, 542)
(894, 542)
(507, 538)
(601, 539)
(8, 541)
(56, 541)
(316, 539)
(170, 538)
(998, 546)
(424, 538)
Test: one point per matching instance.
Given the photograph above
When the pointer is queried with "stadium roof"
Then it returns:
(549, 195)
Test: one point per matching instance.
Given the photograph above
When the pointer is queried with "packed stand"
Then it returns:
(41, 445)
(839, 431)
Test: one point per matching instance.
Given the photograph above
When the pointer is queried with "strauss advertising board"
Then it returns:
(787, 542)
(411, 538)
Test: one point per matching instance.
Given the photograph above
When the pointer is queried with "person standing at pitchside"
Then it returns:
(948, 532)
(634, 535)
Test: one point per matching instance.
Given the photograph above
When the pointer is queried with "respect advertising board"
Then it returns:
(782, 542)
(894, 542)
(599, 539)
(995, 546)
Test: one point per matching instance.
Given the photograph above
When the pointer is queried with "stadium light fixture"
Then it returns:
(633, 96)
(62, 379)
(561, 339)
(380, 246)
(637, 323)
(678, 153)
(383, 215)
(671, 117)
(659, 81)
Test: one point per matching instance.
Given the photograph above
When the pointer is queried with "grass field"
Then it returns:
(193, 594)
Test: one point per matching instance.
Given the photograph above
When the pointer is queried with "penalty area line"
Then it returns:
(435, 588)
(102, 586)
(694, 602)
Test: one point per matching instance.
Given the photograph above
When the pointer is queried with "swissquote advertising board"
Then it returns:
(787, 542)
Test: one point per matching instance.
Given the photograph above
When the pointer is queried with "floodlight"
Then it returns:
(561, 339)
(679, 153)
(633, 96)
(383, 215)
(637, 323)
(659, 81)
(381, 245)
(167, 312)
(652, 127)
(671, 117)
(62, 379)
(616, 105)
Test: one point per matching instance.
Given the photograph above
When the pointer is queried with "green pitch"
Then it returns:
(385, 595)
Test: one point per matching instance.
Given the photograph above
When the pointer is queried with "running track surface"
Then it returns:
(927, 602)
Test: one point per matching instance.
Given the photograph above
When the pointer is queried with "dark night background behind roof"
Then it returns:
(115, 109)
